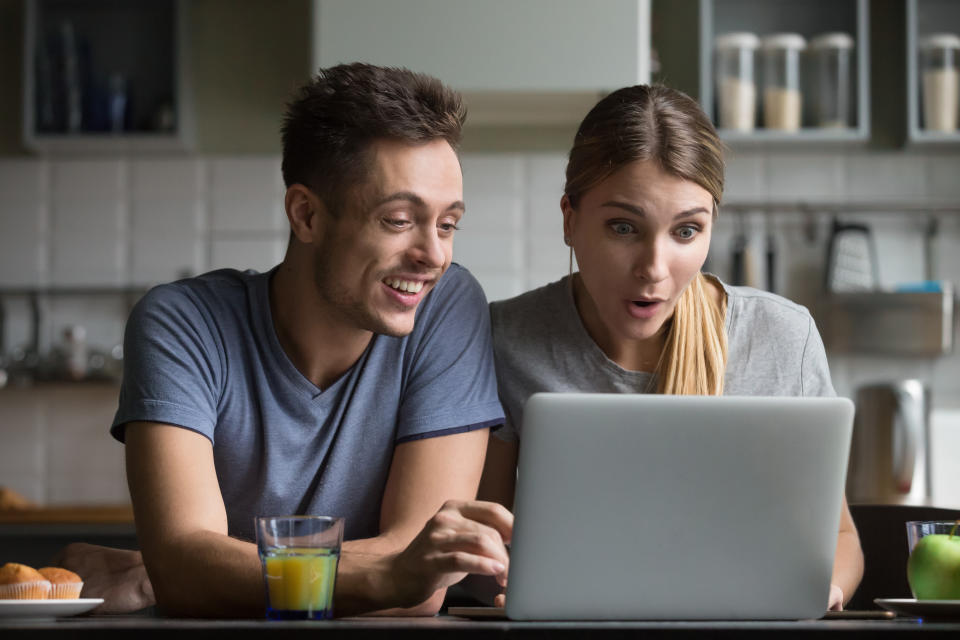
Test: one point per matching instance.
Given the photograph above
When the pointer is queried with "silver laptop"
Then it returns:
(652, 507)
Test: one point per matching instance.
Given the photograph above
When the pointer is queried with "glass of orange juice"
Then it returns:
(299, 556)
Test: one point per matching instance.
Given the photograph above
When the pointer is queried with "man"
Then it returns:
(355, 379)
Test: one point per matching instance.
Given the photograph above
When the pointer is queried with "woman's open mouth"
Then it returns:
(643, 308)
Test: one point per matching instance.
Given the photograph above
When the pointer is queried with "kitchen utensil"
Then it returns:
(888, 454)
(851, 258)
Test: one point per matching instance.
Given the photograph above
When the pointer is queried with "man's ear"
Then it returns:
(305, 212)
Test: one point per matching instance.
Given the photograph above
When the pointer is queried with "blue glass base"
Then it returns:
(319, 614)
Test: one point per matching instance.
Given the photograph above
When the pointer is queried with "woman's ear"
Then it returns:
(305, 212)
(569, 215)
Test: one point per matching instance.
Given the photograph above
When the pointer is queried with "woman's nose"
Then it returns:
(651, 264)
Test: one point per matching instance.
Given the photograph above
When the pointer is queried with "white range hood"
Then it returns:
(516, 61)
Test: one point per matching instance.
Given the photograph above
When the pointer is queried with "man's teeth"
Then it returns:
(404, 285)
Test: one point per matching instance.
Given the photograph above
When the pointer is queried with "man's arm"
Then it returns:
(198, 570)
(848, 560)
(499, 472)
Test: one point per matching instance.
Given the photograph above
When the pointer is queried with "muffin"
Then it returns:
(64, 584)
(20, 582)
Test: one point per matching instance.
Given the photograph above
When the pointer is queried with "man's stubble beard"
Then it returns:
(354, 311)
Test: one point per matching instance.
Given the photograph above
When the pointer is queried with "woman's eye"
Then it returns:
(686, 233)
(622, 228)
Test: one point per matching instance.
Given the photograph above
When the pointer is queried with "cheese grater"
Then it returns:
(851, 258)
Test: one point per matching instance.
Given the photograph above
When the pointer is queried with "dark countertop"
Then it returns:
(445, 626)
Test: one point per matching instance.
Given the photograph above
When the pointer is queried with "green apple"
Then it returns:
(933, 569)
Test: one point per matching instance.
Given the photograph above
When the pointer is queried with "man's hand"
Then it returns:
(461, 538)
(116, 575)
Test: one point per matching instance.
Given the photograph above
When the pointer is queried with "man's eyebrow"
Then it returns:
(638, 211)
(414, 199)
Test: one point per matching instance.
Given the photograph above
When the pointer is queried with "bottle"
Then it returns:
(940, 81)
(75, 352)
(782, 96)
(830, 55)
(736, 85)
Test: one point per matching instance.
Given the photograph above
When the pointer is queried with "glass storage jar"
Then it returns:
(939, 81)
(782, 95)
(736, 86)
(830, 57)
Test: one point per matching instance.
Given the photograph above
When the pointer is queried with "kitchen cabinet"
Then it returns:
(105, 75)
(808, 19)
(516, 61)
(926, 18)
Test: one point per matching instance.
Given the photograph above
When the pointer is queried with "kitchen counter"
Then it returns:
(446, 626)
(33, 536)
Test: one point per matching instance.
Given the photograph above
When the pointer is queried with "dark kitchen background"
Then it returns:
(139, 144)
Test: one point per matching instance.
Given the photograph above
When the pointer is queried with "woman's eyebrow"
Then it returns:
(638, 211)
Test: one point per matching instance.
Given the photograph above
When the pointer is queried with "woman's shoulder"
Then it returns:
(528, 309)
(755, 306)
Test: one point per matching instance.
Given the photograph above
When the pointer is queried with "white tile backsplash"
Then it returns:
(809, 177)
(88, 179)
(23, 238)
(166, 240)
(259, 176)
(167, 179)
(260, 254)
(22, 182)
(943, 177)
(145, 220)
(886, 176)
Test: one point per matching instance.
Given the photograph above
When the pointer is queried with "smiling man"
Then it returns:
(354, 379)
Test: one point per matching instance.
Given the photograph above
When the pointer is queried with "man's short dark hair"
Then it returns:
(331, 123)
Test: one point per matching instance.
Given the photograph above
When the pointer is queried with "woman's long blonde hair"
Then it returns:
(666, 126)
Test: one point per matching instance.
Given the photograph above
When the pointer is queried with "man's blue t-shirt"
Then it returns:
(203, 354)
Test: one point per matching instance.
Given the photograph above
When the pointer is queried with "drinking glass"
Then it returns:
(299, 555)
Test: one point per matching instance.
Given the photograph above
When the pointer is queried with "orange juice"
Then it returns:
(300, 582)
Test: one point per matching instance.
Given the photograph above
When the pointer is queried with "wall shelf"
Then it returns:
(809, 18)
(103, 76)
(925, 17)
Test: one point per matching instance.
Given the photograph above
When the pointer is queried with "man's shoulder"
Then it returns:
(457, 290)
(214, 291)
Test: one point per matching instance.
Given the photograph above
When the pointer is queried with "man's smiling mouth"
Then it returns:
(406, 286)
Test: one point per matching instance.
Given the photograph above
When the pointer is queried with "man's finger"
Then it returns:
(462, 562)
(478, 542)
(491, 514)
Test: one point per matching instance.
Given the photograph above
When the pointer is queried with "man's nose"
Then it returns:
(429, 249)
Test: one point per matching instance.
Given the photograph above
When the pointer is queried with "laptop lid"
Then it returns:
(647, 507)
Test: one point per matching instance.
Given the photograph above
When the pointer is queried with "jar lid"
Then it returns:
(783, 41)
(835, 40)
(940, 41)
(737, 40)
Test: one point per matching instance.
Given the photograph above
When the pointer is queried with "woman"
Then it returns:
(643, 187)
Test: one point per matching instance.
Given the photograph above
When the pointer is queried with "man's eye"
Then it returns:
(448, 227)
(622, 228)
(399, 223)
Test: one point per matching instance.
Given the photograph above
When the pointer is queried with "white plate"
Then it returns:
(941, 609)
(46, 608)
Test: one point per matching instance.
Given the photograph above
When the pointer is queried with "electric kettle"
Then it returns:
(889, 454)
